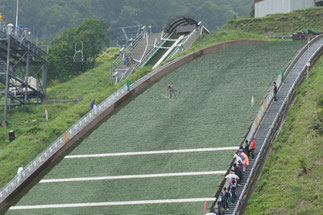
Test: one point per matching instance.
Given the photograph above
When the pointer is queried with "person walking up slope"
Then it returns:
(275, 92)
(252, 148)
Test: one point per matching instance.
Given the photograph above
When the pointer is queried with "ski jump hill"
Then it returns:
(141, 152)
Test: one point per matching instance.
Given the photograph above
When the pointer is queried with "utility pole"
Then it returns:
(17, 17)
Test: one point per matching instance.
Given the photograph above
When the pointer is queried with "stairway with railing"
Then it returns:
(136, 55)
(272, 120)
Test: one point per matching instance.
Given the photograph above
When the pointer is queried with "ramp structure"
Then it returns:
(23, 69)
(154, 48)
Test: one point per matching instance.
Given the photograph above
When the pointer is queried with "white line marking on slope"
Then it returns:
(132, 176)
(93, 204)
(152, 152)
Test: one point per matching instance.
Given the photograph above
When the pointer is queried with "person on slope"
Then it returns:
(171, 90)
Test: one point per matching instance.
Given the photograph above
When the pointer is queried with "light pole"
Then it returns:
(17, 17)
(308, 54)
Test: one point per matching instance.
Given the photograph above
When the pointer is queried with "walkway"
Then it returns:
(137, 54)
(270, 116)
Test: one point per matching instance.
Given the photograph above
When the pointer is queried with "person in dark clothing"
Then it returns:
(219, 209)
(275, 92)
(238, 172)
(246, 148)
(233, 188)
(224, 199)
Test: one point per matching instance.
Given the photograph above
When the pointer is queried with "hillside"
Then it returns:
(280, 24)
(48, 18)
(34, 133)
(292, 178)
(201, 117)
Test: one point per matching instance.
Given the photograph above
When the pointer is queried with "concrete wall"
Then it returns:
(265, 7)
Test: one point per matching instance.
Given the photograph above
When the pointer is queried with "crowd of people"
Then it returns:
(234, 178)
(128, 61)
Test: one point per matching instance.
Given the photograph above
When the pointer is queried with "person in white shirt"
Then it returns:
(19, 172)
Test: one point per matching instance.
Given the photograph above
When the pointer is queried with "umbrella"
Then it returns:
(230, 176)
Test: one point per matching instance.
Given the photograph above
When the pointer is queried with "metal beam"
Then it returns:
(7, 82)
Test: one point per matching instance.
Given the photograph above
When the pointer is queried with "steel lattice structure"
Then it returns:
(23, 70)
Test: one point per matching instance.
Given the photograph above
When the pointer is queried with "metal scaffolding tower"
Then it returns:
(23, 70)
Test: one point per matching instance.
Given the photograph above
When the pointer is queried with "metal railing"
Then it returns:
(26, 39)
(127, 50)
(254, 126)
(272, 125)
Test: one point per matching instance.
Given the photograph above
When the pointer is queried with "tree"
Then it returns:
(94, 35)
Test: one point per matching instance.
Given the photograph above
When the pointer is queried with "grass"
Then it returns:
(220, 36)
(131, 165)
(204, 115)
(292, 178)
(281, 24)
(34, 133)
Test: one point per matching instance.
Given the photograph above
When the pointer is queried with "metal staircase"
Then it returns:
(138, 52)
(25, 77)
(271, 119)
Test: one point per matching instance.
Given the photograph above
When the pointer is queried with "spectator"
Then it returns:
(252, 148)
(275, 92)
(132, 61)
(126, 61)
(245, 159)
(228, 196)
(238, 172)
(246, 148)
(224, 199)
(238, 160)
(19, 172)
(219, 208)
(93, 106)
(233, 188)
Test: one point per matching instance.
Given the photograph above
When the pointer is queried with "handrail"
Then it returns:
(127, 50)
(261, 113)
(277, 114)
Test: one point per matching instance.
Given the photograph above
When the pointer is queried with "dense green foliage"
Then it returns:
(201, 117)
(47, 18)
(93, 34)
(287, 23)
(292, 178)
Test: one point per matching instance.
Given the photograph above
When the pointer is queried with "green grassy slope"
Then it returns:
(291, 182)
(204, 115)
(33, 133)
(280, 24)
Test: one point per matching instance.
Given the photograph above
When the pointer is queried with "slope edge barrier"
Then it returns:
(94, 117)
(275, 129)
